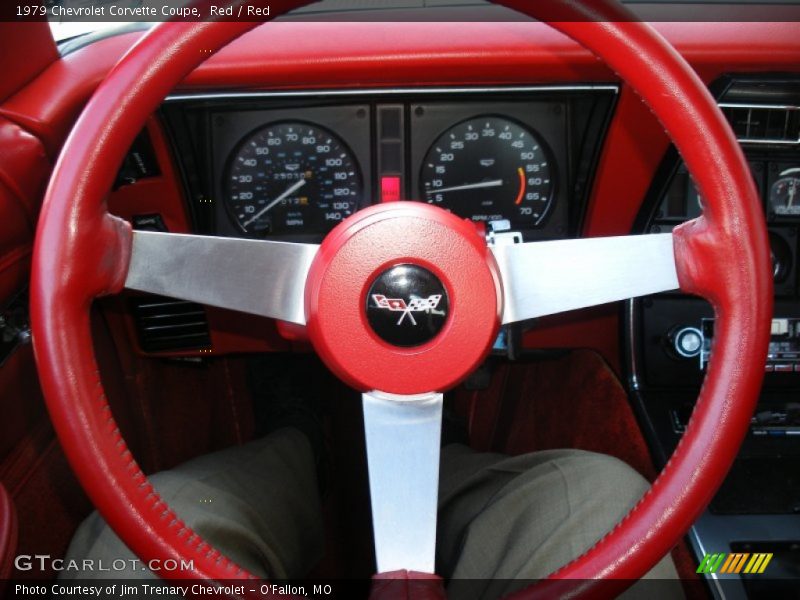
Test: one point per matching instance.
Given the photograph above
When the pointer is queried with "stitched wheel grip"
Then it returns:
(81, 252)
(722, 256)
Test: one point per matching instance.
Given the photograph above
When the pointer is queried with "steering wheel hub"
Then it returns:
(403, 298)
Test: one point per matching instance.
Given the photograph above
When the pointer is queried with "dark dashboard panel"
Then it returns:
(766, 119)
(670, 336)
(293, 165)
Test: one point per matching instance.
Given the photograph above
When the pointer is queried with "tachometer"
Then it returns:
(490, 169)
(291, 178)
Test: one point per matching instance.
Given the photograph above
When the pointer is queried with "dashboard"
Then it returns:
(611, 145)
(292, 166)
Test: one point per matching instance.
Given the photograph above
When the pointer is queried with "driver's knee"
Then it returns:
(514, 519)
(259, 504)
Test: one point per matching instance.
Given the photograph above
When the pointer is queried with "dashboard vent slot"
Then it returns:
(169, 325)
(764, 123)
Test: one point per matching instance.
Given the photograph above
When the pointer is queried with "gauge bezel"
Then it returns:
(546, 118)
(531, 131)
(234, 153)
(230, 125)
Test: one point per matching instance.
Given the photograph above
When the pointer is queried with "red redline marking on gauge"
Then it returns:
(521, 173)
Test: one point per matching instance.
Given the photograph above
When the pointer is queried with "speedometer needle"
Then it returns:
(467, 186)
(292, 189)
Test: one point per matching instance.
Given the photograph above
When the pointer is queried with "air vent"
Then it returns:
(169, 325)
(764, 123)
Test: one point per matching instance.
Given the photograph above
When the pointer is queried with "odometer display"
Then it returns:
(291, 178)
(490, 169)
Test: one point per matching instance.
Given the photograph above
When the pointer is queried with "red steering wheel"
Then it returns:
(82, 252)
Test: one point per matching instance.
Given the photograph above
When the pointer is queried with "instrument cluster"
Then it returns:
(288, 166)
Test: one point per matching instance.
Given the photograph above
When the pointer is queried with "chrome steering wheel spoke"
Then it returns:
(403, 434)
(260, 277)
(543, 278)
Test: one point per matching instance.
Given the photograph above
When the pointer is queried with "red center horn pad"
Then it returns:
(365, 245)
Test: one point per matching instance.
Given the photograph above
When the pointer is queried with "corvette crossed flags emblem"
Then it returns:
(400, 305)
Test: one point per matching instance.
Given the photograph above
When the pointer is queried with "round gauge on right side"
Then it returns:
(490, 168)
(784, 194)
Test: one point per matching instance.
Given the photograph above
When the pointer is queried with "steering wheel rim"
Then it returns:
(82, 252)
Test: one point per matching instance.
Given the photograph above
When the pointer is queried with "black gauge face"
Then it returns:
(291, 178)
(784, 195)
(490, 169)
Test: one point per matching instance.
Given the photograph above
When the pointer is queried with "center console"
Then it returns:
(670, 337)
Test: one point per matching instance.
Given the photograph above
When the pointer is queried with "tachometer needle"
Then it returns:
(467, 186)
(292, 189)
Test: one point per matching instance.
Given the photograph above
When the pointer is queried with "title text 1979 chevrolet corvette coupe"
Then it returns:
(551, 245)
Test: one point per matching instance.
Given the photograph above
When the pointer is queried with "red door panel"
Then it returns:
(24, 166)
(26, 49)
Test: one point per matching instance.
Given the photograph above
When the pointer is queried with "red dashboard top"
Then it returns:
(316, 55)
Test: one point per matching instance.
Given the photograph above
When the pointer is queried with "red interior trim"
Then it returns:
(311, 55)
(68, 273)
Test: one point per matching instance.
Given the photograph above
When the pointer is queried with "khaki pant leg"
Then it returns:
(258, 504)
(504, 518)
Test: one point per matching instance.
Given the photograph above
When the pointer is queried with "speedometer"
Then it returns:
(490, 169)
(291, 177)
